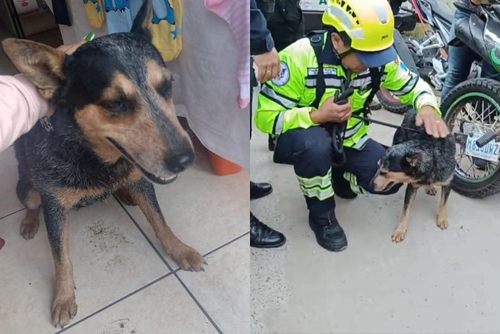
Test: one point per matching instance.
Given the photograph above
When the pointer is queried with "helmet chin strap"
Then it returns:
(344, 54)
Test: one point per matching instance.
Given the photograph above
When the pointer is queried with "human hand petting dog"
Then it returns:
(330, 112)
(71, 48)
(433, 124)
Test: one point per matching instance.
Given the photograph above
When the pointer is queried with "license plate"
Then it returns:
(490, 151)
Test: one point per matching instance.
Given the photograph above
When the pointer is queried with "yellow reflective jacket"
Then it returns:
(285, 102)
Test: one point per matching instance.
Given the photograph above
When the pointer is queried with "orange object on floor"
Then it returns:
(221, 166)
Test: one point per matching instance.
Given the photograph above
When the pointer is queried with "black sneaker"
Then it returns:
(329, 233)
(262, 236)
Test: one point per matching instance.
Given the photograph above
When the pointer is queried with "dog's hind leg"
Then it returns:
(442, 221)
(186, 257)
(64, 306)
(400, 233)
(30, 198)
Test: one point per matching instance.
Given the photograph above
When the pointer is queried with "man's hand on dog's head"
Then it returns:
(69, 49)
(433, 124)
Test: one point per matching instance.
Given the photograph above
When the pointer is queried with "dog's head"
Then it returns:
(402, 163)
(118, 92)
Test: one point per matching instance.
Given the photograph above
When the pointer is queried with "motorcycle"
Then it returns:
(429, 54)
(472, 109)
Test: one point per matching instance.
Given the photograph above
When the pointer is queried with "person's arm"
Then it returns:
(262, 48)
(260, 37)
(412, 90)
(21, 106)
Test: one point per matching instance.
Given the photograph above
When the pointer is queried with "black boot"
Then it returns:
(262, 236)
(258, 190)
(328, 232)
(341, 186)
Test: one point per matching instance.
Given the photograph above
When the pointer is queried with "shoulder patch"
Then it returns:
(284, 76)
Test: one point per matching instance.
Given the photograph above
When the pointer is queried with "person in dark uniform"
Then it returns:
(286, 23)
(267, 59)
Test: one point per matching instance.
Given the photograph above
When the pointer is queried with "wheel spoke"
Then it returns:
(471, 116)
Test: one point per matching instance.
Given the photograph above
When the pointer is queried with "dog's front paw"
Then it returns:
(431, 191)
(188, 258)
(399, 235)
(442, 222)
(29, 228)
(63, 310)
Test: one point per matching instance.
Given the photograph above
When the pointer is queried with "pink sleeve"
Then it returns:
(20, 108)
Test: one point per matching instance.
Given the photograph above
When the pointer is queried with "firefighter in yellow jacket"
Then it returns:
(356, 50)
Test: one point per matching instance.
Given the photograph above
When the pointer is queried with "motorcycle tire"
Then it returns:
(390, 103)
(488, 90)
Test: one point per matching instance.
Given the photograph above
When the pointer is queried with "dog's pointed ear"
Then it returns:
(414, 158)
(143, 21)
(41, 64)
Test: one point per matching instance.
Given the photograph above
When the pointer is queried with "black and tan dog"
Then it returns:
(114, 130)
(419, 160)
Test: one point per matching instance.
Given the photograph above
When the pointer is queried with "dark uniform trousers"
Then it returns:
(310, 151)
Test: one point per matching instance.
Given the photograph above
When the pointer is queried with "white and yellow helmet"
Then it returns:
(370, 26)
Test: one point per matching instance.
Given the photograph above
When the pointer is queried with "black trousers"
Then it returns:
(310, 152)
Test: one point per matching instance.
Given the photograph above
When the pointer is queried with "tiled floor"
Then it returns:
(125, 282)
(122, 275)
(434, 282)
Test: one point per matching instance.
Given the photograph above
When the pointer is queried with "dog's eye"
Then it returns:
(165, 89)
(114, 106)
(383, 173)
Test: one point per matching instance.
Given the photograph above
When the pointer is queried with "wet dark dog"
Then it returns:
(419, 160)
(114, 131)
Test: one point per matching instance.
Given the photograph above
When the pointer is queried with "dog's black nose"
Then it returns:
(179, 162)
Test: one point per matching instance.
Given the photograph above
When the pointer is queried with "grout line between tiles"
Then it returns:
(10, 214)
(192, 295)
(178, 269)
(198, 303)
(171, 270)
(227, 243)
(116, 302)
(144, 235)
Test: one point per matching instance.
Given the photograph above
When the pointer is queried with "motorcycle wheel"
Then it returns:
(391, 103)
(473, 107)
(386, 99)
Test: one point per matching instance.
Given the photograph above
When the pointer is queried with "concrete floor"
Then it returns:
(435, 281)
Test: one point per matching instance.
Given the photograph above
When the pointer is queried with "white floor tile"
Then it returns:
(111, 258)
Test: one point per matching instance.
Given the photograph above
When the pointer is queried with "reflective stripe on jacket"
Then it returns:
(285, 102)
